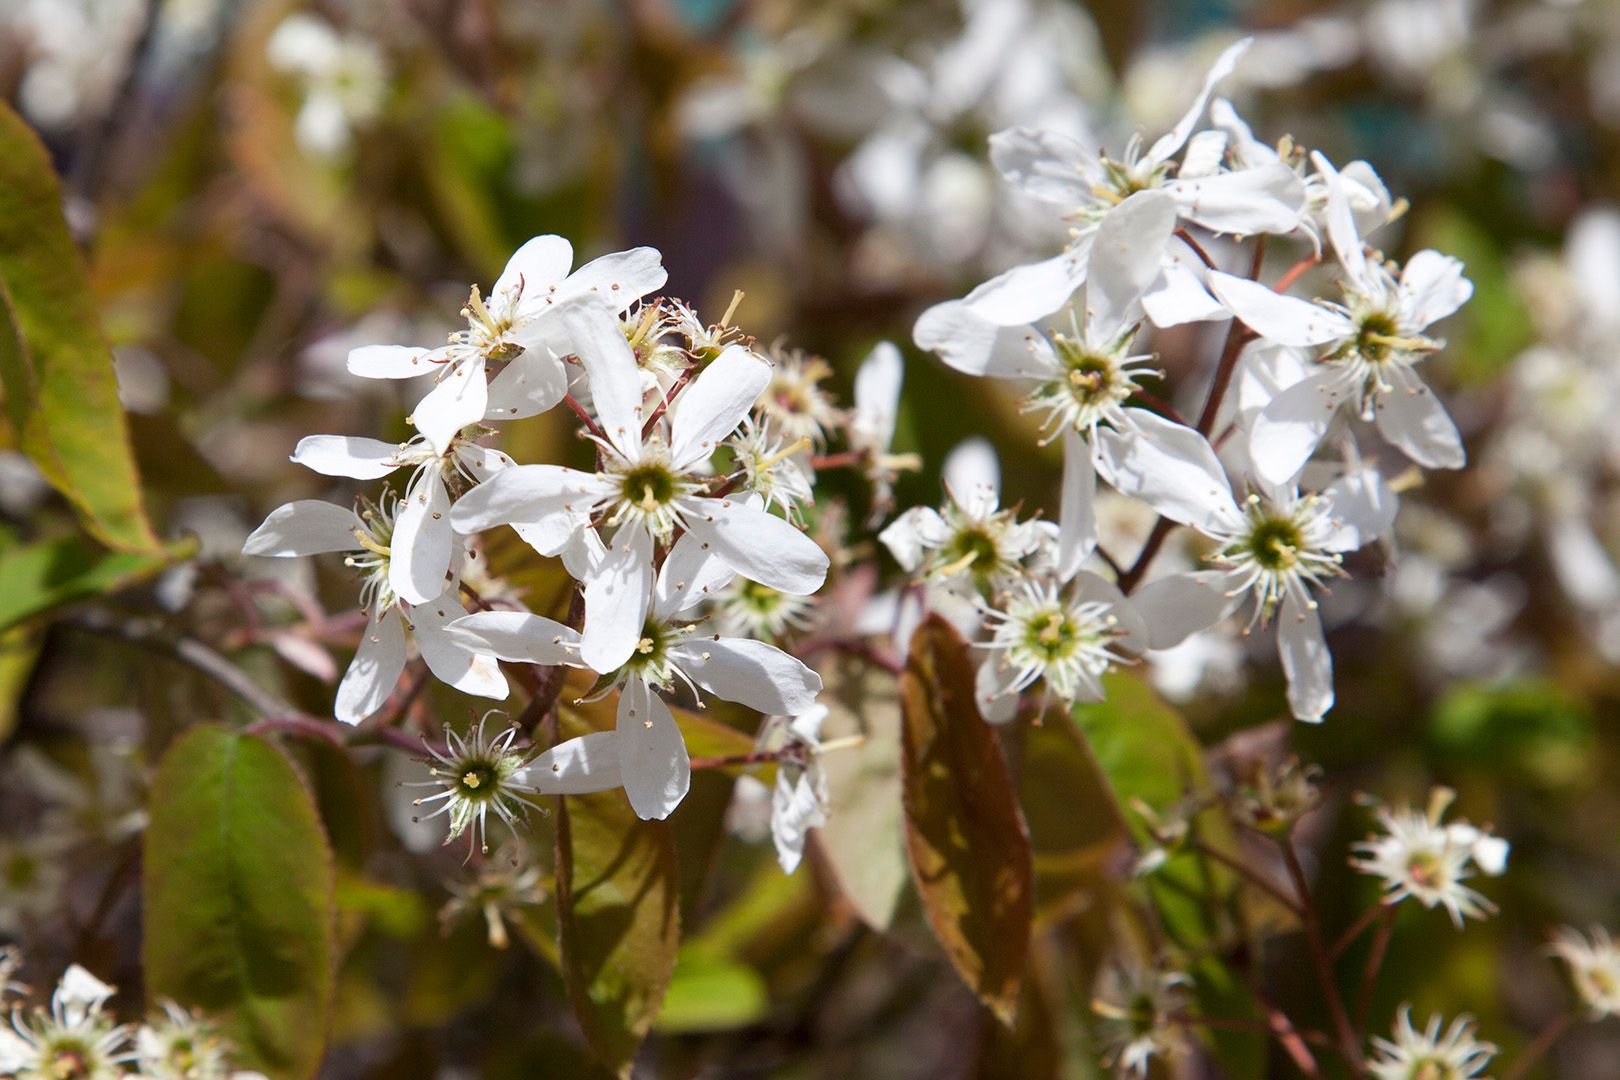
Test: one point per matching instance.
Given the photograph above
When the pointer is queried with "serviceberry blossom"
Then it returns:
(872, 423)
(478, 775)
(76, 1037)
(799, 799)
(513, 329)
(1432, 1054)
(343, 77)
(654, 480)
(1593, 960)
(1364, 350)
(313, 527)
(1420, 856)
(179, 1044)
(1138, 1007)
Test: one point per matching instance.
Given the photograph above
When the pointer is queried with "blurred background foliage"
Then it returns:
(249, 211)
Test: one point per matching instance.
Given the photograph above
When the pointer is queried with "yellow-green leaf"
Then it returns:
(60, 393)
(37, 577)
(965, 835)
(238, 898)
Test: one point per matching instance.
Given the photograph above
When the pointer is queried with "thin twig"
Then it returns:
(1350, 1046)
(1375, 962)
(1533, 1053)
(1346, 939)
(1251, 875)
(584, 417)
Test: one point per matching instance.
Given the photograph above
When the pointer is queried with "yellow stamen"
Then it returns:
(364, 539)
(788, 451)
(736, 301)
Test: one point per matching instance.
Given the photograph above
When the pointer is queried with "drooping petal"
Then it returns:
(758, 545)
(423, 544)
(347, 455)
(1305, 660)
(795, 810)
(541, 262)
(1126, 256)
(375, 669)
(1169, 466)
(618, 279)
(1177, 296)
(1288, 431)
(528, 386)
(751, 673)
(460, 398)
(909, 534)
(974, 345)
(714, 403)
(618, 595)
(1173, 140)
(993, 689)
(595, 336)
(1414, 421)
(652, 752)
(527, 493)
(451, 658)
(1135, 637)
(1285, 320)
(390, 362)
(1177, 606)
(518, 637)
(1077, 512)
(1265, 199)
(1026, 293)
(578, 766)
(877, 396)
(1432, 287)
(1045, 165)
(304, 527)
(1363, 510)
(1340, 221)
(972, 474)
(690, 574)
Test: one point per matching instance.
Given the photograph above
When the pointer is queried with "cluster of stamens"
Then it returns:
(1278, 553)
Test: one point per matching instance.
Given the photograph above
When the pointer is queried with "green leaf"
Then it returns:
(709, 994)
(238, 898)
(60, 394)
(965, 835)
(618, 911)
(37, 577)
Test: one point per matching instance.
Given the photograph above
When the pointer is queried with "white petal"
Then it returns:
(1432, 287)
(1340, 222)
(972, 474)
(877, 395)
(1133, 628)
(1045, 165)
(795, 810)
(579, 766)
(527, 493)
(751, 673)
(423, 544)
(1288, 431)
(540, 263)
(1077, 512)
(374, 671)
(974, 345)
(1027, 293)
(1178, 296)
(1169, 466)
(1306, 661)
(1173, 140)
(468, 668)
(346, 455)
(618, 595)
(714, 403)
(528, 386)
(305, 527)
(79, 994)
(390, 362)
(1414, 421)
(905, 535)
(517, 636)
(1286, 320)
(993, 689)
(619, 279)
(689, 575)
(1126, 256)
(1363, 510)
(1265, 199)
(759, 546)
(610, 362)
(460, 398)
(1177, 606)
(652, 753)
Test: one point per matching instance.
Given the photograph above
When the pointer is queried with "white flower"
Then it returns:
(1430, 1055)
(794, 400)
(1594, 968)
(748, 609)
(872, 423)
(652, 483)
(504, 885)
(1278, 548)
(778, 474)
(74, 1039)
(799, 800)
(647, 753)
(969, 544)
(312, 527)
(516, 326)
(180, 1045)
(478, 776)
(1420, 856)
(1139, 1013)
(343, 77)
(1366, 346)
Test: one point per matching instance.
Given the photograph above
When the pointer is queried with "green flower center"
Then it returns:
(1424, 869)
(761, 599)
(972, 548)
(69, 1060)
(1088, 376)
(1376, 337)
(648, 486)
(1051, 635)
(1275, 543)
(478, 779)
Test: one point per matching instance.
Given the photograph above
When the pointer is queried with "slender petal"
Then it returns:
(305, 527)
(1169, 466)
(751, 673)
(715, 402)
(619, 279)
(460, 398)
(1176, 137)
(375, 670)
(689, 575)
(1288, 430)
(1177, 606)
(974, 345)
(451, 659)
(541, 263)
(1363, 510)
(1432, 287)
(1265, 199)
(1286, 320)
(759, 546)
(1414, 421)
(1044, 165)
(423, 544)
(972, 474)
(528, 386)
(578, 766)
(1305, 660)
(652, 753)
(610, 363)
(1126, 257)
(1027, 293)
(1077, 513)
(518, 637)
(526, 493)
(390, 362)
(617, 598)
(347, 455)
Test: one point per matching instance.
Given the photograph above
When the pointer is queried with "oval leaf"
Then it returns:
(60, 393)
(965, 836)
(237, 890)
